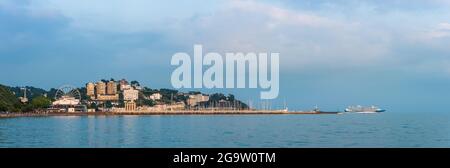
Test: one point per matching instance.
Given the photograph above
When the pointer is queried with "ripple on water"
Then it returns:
(228, 133)
(225, 131)
(298, 143)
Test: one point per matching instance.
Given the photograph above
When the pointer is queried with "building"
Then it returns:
(155, 96)
(100, 88)
(70, 101)
(196, 99)
(67, 108)
(125, 87)
(130, 106)
(130, 94)
(163, 107)
(107, 97)
(176, 106)
(111, 88)
(123, 84)
(90, 89)
(67, 104)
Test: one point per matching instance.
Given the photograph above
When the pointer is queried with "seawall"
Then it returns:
(230, 112)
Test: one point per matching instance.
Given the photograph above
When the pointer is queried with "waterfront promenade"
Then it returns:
(178, 112)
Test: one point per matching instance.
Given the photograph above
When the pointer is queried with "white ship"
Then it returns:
(362, 109)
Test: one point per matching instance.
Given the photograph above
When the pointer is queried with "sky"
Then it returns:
(333, 53)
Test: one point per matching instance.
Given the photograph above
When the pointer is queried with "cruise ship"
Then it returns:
(362, 109)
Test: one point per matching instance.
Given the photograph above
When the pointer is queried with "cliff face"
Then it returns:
(8, 101)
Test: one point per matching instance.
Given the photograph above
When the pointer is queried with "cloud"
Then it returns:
(382, 37)
(305, 40)
(116, 16)
(307, 34)
(442, 30)
(280, 15)
(378, 6)
(326, 46)
(24, 31)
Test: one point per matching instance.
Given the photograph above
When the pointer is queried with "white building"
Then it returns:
(130, 94)
(67, 104)
(125, 87)
(66, 101)
(198, 98)
(155, 96)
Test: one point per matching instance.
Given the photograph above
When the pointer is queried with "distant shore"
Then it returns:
(203, 112)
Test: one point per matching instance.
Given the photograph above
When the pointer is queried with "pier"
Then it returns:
(178, 112)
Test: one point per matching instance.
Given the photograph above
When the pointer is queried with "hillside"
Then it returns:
(9, 98)
(32, 92)
(8, 101)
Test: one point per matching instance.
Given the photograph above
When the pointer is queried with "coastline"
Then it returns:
(49, 114)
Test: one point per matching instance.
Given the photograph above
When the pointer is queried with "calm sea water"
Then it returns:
(348, 130)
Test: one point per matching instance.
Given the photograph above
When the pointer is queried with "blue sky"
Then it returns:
(333, 53)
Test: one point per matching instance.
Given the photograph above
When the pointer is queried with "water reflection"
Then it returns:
(386, 130)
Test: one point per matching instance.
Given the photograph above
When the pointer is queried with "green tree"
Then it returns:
(52, 93)
(3, 107)
(135, 83)
(217, 97)
(93, 106)
(108, 104)
(231, 97)
(8, 101)
(145, 102)
(41, 102)
(27, 108)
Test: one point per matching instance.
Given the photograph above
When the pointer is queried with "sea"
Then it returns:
(389, 129)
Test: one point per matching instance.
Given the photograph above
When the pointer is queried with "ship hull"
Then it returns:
(362, 112)
(360, 109)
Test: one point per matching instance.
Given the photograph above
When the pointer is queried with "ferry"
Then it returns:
(362, 109)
